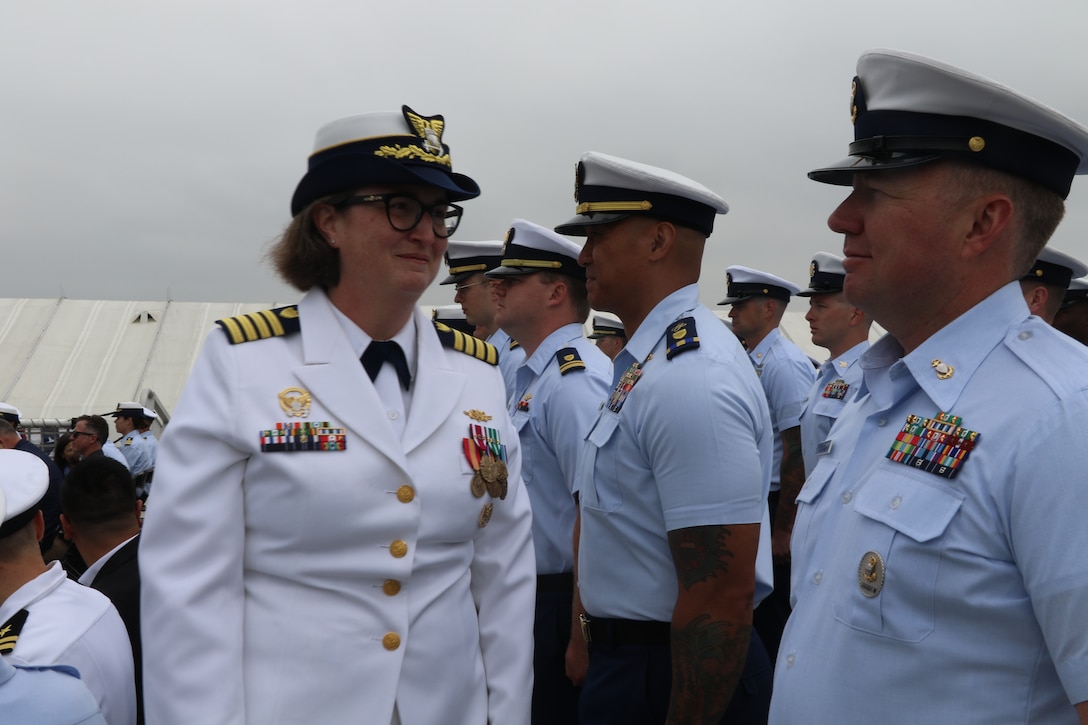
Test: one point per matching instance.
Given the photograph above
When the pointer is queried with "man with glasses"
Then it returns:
(90, 436)
(540, 293)
(351, 541)
(468, 263)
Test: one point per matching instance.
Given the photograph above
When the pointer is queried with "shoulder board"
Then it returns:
(467, 344)
(569, 360)
(9, 632)
(514, 344)
(681, 337)
(260, 325)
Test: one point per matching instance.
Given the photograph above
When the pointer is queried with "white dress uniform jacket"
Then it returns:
(334, 586)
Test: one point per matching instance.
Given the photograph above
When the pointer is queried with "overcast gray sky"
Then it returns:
(149, 150)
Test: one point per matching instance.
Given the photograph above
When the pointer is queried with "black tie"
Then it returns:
(379, 352)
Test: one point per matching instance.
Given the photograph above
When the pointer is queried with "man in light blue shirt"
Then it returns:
(844, 330)
(759, 301)
(468, 264)
(674, 546)
(937, 568)
(540, 298)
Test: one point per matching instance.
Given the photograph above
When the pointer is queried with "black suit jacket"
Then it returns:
(119, 579)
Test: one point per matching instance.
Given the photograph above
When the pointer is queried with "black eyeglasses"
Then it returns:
(404, 212)
(78, 433)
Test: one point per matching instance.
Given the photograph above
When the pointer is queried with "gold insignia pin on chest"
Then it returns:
(295, 402)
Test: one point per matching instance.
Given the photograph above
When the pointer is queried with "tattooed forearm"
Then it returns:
(791, 478)
(699, 553)
(707, 661)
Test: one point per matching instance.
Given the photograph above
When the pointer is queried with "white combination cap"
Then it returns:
(608, 188)
(744, 282)
(909, 110)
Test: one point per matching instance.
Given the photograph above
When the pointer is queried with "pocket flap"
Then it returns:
(908, 503)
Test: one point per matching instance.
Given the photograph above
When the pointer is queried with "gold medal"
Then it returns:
(478, 485)
(495, 476)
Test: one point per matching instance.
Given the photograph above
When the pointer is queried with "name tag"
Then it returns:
(824, 448)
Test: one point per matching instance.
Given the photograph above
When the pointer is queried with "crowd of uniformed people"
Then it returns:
(488, 516)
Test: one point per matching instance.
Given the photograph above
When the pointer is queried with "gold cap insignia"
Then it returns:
(976, 143)
(812, 269)
(295, 402)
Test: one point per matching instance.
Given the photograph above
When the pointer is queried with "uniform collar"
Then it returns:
(34, 590)
(545, 351)
(944, 364)
(359, 340)
(843, 362)
(759, 352)
(664, 313)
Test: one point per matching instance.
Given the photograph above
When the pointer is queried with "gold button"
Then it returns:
(405, 494)
(391, 641)
(398, 549)
(391, 587)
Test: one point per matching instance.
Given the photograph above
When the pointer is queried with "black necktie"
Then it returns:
(379, 352)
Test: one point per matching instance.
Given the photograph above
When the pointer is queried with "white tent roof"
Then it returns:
(62, 358)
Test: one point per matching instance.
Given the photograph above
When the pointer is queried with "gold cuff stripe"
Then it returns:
(591, 206)
(541, 263)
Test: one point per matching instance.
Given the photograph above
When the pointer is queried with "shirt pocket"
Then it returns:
(811, 492)
(904, 519)
(598, 472)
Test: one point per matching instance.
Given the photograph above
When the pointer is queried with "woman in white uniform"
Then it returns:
(332, 541)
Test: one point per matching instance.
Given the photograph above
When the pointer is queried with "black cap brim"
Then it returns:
(576, 226)
(351, 171)
(842, 173)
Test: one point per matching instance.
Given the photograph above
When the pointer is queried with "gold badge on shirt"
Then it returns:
(871, 574)
(295, 402)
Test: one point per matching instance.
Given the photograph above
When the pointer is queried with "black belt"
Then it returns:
(619, 632)
(555, 582)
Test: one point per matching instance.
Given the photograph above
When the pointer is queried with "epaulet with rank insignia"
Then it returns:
(467, 344)
(260, 325)
(569, 360)
(681, 337)
(9, 632)
(514, 344)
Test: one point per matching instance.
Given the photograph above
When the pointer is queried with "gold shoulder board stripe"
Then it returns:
(260, 325)
(569, 360)
(467, 344)
(9, 632)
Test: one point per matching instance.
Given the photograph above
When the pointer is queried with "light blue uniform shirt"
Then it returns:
(553, 413)
(786, 374)
(975, 587)
(110, 450)
(690, 446)
(509, 361)
(135, 451)
(836, 382)
(152, 445)
(46, 696)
